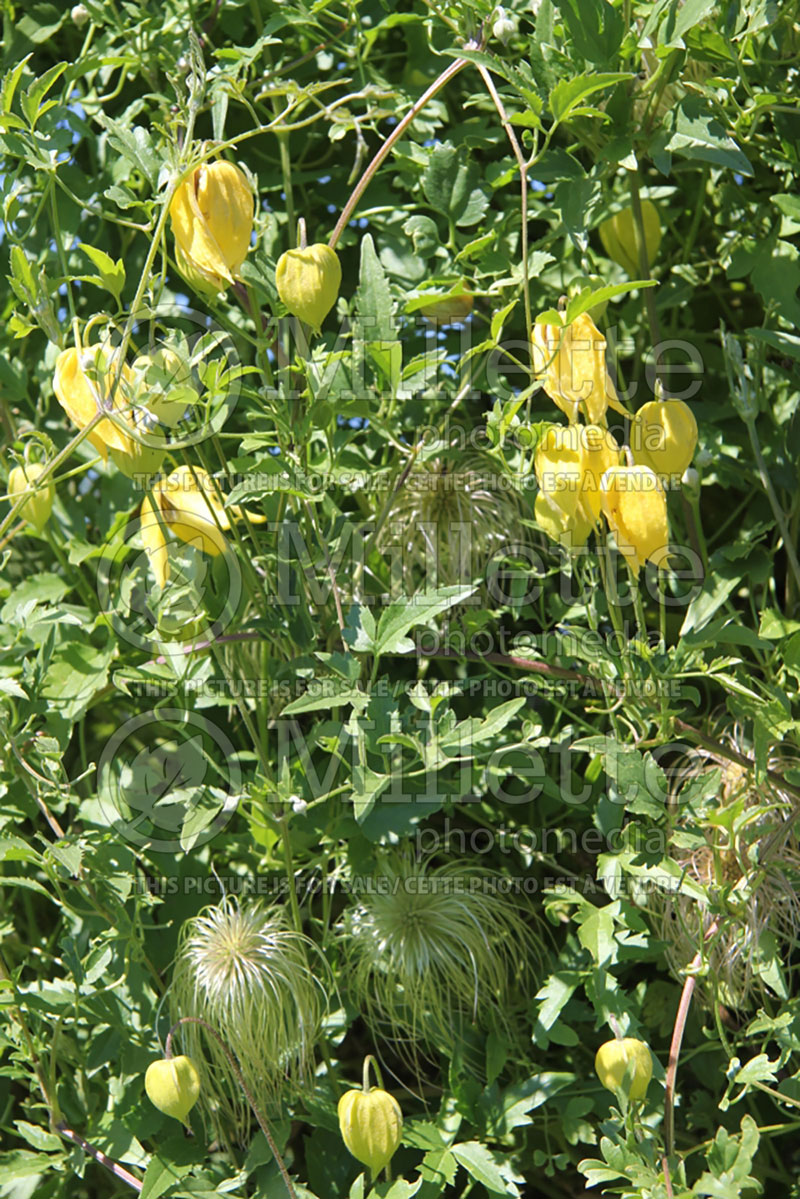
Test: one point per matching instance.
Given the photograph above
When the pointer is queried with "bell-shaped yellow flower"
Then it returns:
(83, 395)
(173, 1086)
(83, 384)
(186, 504)
(558, 508)
(619, 239)
(570, 363)
(212, 219)
(635, 506)
(308, 282)
(599, 452)
(39, 504)
(664, 437)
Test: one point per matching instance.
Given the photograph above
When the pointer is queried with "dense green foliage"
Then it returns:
(353, 756)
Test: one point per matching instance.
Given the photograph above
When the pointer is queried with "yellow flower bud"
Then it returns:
(186, 504)
(635, 506)
(371, 1125)
(173, 1086)
(308, 282)
(37, 508)
(570, 363)
(212, 220)
(613, 1059)
(664, 436)
(619, 239)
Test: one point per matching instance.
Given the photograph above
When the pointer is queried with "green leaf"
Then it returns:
(21, 1163)
(112, 274)
(758, 1069)
(161, 1174)
(405, 614)
(596, 29)
(698, 134)
(451, 185)
(31, 100)
(367, 786)
(569, 93)
(374, 299)
(587, 298)
(596, 933)
(481, 1165)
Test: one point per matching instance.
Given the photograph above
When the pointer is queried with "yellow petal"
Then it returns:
(82, 399)
(599, 451)
(226, 203)
(212, 220)
(664, 437)
(635, 507)
(191, 511)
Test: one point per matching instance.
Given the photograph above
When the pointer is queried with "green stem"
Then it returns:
(287, 857)
(523, 184)
(449, 73)
(644, 267)
(234, 1065)
(777, 510)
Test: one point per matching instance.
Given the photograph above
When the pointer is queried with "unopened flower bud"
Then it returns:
(613, 1060)
(619, 238)
(173, 1086)
(37, 507)
(664, 436)
(504, 26)
(371, 1125)
(690, 480)
(79, 14)
(308, 282)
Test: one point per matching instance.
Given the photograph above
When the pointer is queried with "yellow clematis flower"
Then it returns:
(569, 464)
(371, 1124)
(82, 398)
(664, 437)
(212, 220)
(186, 504)
(570, 363)
(83, 382)
(619, 239)
(558, 508)
(635, 506)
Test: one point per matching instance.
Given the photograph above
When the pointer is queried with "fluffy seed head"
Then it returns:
(244, 971)
(434, 951)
